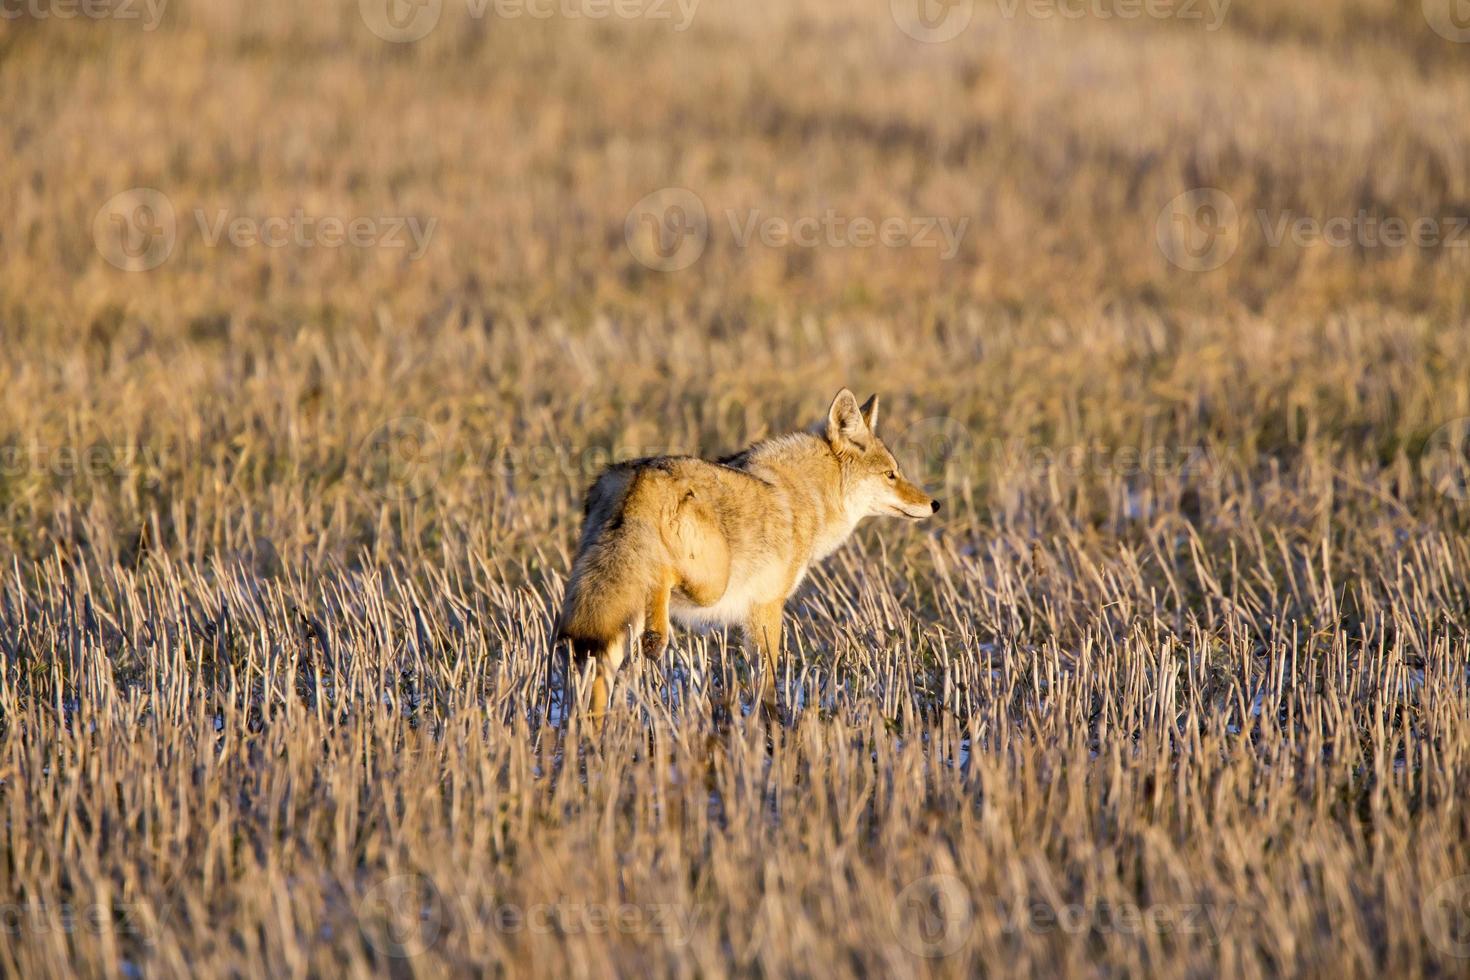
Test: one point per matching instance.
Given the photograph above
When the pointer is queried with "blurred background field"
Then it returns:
(283, 527)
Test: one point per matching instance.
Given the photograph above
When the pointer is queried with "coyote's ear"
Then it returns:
(870, 413)
(845, 422)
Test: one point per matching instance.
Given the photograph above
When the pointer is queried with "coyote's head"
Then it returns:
(872, 483)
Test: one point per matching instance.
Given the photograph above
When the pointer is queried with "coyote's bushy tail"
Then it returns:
(615, 571)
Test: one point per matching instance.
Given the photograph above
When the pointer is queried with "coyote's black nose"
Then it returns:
(935, 505)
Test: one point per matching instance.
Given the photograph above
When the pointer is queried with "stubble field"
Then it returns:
(313, 339)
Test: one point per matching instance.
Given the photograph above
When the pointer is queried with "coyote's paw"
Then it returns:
(654, 644)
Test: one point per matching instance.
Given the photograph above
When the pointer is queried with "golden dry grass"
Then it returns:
(1177, 685)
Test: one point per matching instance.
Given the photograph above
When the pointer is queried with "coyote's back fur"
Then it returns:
(724, 542)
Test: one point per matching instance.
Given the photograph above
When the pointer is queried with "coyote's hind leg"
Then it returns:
(605, 666)
(656, 631)
(601, 686)
(700, 554)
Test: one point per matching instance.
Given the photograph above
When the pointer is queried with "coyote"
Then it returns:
(726, 542)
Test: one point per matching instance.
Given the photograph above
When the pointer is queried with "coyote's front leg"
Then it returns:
(763, 632)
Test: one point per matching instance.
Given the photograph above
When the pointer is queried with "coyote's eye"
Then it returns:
(893, 474)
